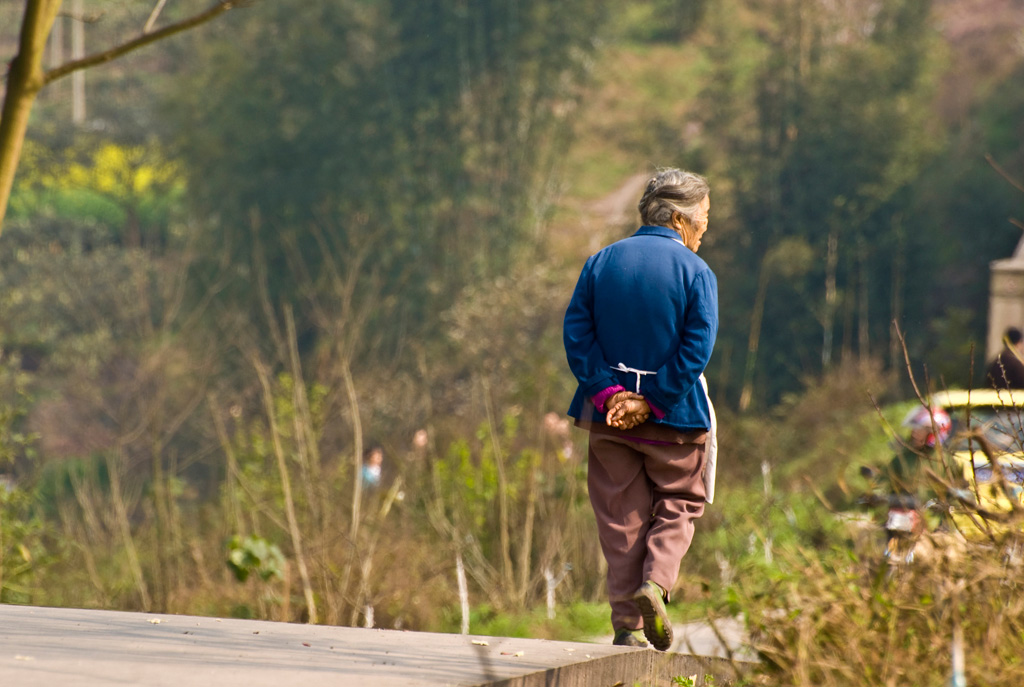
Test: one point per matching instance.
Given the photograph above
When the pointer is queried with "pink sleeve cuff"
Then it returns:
(655, 411)
(602, 396)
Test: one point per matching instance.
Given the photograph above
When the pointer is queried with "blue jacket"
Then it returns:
(649, 303)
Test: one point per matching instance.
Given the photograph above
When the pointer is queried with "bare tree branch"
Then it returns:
(906, 358)
(153, 16)
(1002, 172)
(25, 76)
(145, 39)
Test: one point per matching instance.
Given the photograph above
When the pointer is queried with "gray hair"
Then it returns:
(672, 190)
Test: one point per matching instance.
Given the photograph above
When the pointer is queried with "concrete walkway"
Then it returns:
(83, 648)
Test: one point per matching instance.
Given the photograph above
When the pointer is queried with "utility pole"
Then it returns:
(77, 53)
(56, 47)
(26, 76)
(57, 43)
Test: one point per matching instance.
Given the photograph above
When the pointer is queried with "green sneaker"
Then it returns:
(657, 627)
(624, 637)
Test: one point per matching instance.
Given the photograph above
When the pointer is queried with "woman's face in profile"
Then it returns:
(700, 221)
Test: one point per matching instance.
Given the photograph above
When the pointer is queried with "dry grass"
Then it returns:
(850, 617)
(854, 624)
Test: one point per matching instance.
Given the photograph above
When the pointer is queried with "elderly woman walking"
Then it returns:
(638, 334)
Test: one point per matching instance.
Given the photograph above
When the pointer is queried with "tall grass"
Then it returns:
(827, 607)
(784, 546)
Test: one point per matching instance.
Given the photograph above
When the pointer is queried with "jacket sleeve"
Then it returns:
(680, 372)
(579, 334)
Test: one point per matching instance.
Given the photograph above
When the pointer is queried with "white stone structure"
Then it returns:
(1006, 299)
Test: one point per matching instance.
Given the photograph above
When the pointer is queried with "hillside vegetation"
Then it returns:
(313, 228)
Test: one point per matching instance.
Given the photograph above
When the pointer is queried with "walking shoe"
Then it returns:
(657, 627)
(624, 637)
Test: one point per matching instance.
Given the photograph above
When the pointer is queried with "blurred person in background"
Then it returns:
(373, 464)
(911, 489)
(1007, 370)
(928, 429)
(638, 334)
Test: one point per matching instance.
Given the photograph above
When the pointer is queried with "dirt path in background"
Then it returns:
(619, 206)
(599, 222)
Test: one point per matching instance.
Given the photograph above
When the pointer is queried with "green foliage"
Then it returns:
(476, 485)
(886, 628)
(253, 443)
(410, 153)
(253, 554)
(822, 604)
(420, 135)
(15, 402)
(960, 190)
(788, 470)
(576, 621)
(816, 120)
(96, 192)
(531, 305)
(90, 259)
(513, 502)
(57, 481)
(90, 301)
(22, 551)
(741, 537)
(23, 554)
(816, 433)
(470, 482)
(660, 20)
(691, 680)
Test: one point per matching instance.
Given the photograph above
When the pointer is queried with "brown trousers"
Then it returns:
(645, 499)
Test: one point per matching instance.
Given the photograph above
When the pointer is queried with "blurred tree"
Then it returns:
(820, 116)
(421, 136)
(958, 220)
(26, 76)
(664, 20)
(130, 193)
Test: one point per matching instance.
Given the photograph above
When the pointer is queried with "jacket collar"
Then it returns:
(651, 230)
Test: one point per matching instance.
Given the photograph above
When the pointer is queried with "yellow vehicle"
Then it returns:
(998, 417)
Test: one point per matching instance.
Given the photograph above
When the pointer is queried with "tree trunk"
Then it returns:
(526, 543)
(26, 77)
(357, 458)
(829, 311)
(863, 329)
(896, 306)
(722, 383)
(57, 43)
(504, 537)
(114, 466)
(755, 334)
(286, 489)
(305, 431)
(77, 53)
(24, 81)
(160, 572)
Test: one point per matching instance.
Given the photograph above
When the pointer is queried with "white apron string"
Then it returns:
(711, 448)
(621, 367)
